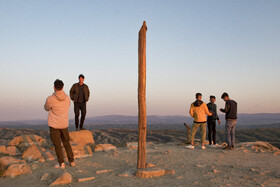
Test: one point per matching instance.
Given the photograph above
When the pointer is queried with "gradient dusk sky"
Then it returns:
(193, 46)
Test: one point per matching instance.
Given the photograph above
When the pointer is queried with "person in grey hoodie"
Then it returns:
(58, 121)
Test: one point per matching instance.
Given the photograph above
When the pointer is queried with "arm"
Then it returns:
(227, 107)
(47, 106)
(71, 92)
(207, 111)
(191, 111)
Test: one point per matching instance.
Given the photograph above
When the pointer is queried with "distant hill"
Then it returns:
(243, 120)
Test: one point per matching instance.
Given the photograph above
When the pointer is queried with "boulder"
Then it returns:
(83, 137)
(258, 146)
(65, 178)
(17, 169)
(35, 152)
(25, 141)
(13, 151)
(80, 151)
(104, 147)
(5, 162)
(32, 153)
(3, 149)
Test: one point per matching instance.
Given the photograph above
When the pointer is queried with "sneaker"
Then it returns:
(189, 146)
(203, 147)
(77, 129)
(213, 145)
(60, 166)
(72, 164)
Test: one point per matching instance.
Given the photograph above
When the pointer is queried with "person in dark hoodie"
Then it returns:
(58, 121)
(211, 121)
(231, 120)
(198, 111)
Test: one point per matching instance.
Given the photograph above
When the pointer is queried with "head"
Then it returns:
(81, 78)
(212, 99)
(58, 85)
(198, 96)
(225, 96)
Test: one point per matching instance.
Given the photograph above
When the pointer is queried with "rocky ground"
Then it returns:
(250, 164)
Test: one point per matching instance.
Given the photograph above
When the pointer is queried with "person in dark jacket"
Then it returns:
(211, 121)
(79, 94)
(231, 120)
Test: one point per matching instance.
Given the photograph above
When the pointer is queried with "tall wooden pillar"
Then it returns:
(142, 116)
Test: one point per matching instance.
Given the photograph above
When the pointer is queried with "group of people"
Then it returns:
(199, 110)
(58, 105)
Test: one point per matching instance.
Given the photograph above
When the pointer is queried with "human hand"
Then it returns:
(219, 121)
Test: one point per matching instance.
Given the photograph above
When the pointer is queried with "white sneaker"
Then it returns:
(58, 166)
(213, 145)
(203, 147)
(189, 146)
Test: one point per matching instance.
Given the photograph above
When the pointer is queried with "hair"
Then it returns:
(212, 96)
(81, 75)
(197, 95)
(224, 95)
(58, 84)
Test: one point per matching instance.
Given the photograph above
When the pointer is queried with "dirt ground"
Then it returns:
(210, 167)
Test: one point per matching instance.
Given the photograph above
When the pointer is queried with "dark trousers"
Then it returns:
(77, 108)
(211, 131)
(58, 135)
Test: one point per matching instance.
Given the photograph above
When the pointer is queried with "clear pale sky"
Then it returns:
(192, 46)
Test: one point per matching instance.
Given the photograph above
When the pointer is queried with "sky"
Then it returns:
(210, 46)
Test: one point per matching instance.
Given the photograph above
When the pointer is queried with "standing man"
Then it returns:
(58, 120)
(211, 121)
(231, 120)
(79, 94)
(198, 111)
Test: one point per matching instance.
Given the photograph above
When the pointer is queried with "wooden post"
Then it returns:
(142, 116)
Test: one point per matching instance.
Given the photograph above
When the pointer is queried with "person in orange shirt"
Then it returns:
(198, 111)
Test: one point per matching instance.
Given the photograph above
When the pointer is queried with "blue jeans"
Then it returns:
(230, 132)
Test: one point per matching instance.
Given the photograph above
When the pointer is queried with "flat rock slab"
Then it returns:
(85, 179)
(151, 172)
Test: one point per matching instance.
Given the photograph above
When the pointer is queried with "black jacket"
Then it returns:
(230, 109)
(74, 92)
(212, 107)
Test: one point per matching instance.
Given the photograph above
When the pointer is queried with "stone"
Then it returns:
(65, 178)
(32, 153)
(150, 165)
(216, 171)
(45, 177)
(13, 151)
(17, 169)
(129, 173)
(7, 161)
(25, 141)
(3, 149)
(85, 179)
(258, 145)
(104, 147)
(81, 151)
(169, 172)
(104, 171)
(83, 137)
(276, 153)
(149, 172)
